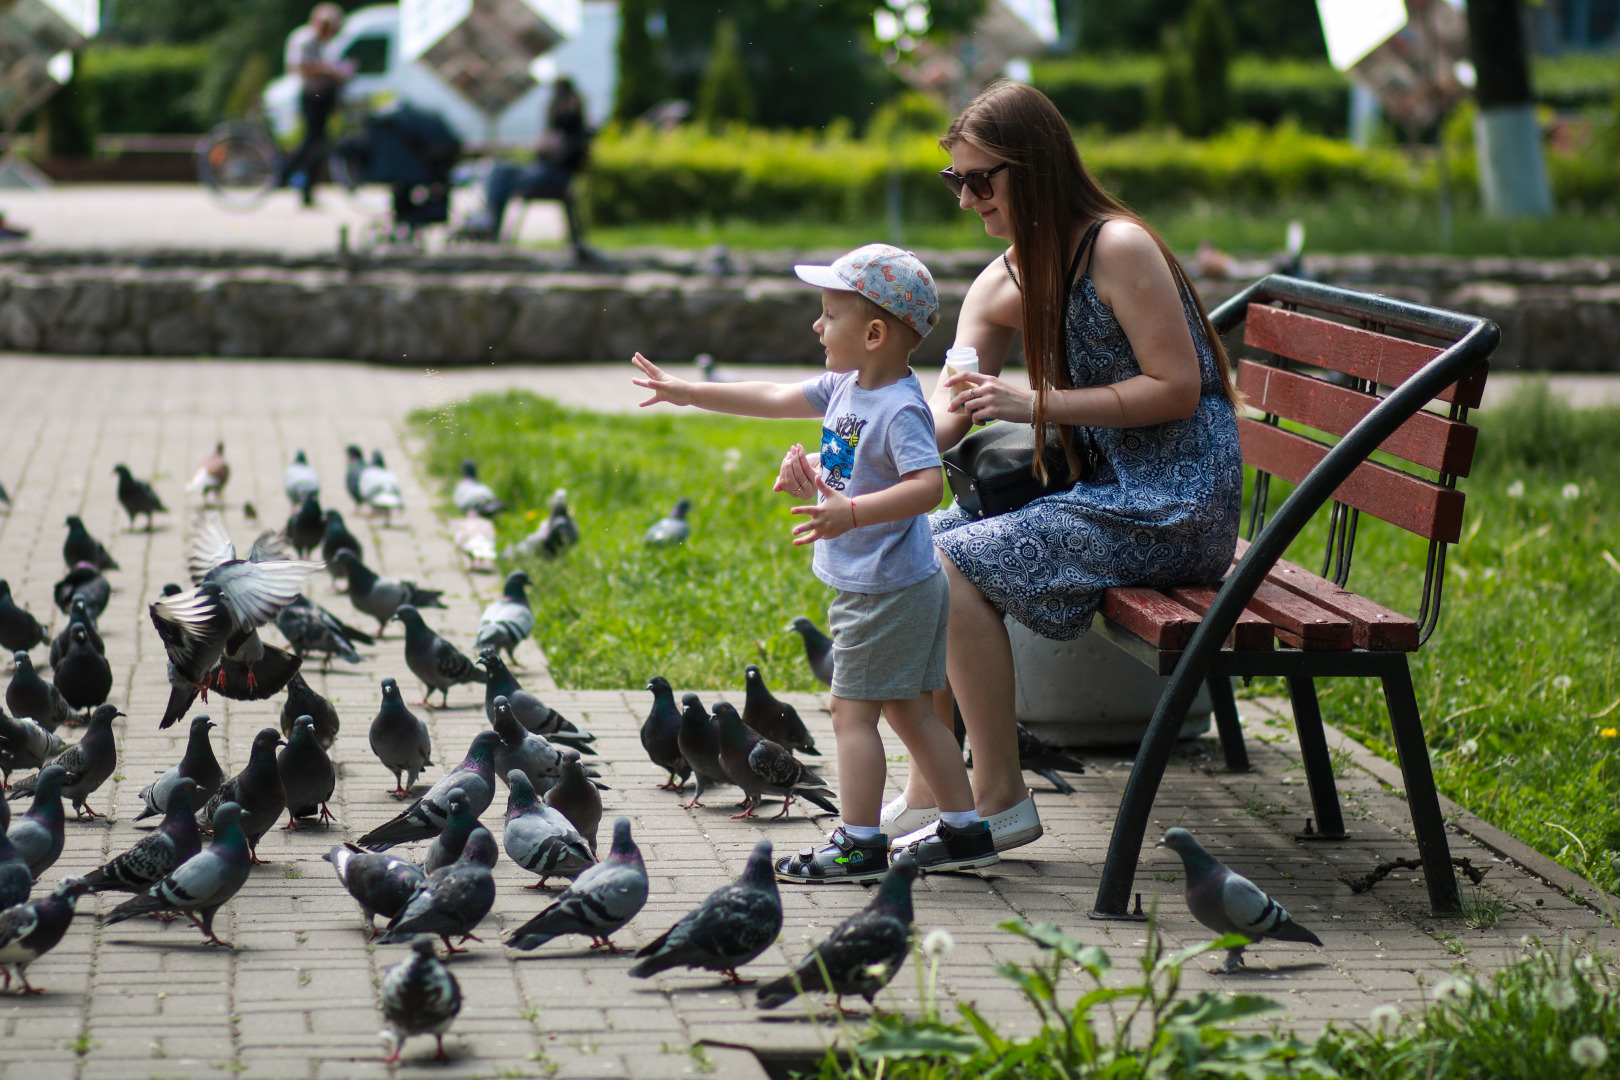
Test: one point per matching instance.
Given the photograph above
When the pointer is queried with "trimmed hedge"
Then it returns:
(148, 89)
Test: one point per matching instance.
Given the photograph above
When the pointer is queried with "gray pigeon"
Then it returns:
(382, 884)
(310, 628)
(256, 791)
(197, 764)
(38, 835)
(249, 670)
(817, 649)
(427, 816)
(530, 711)
(30, 930)
(660, 735)
(539, 838)
(18, 627)
(420, 997)
(30, 696)
(16, 880)
(439, 664)
(157, 853)
(699, 742)
(578, 800)
(78, 615)
(862, 953)
(137, 497)
(473, 494)
(533, 754)
(87, 763)
(302, 700)
(84, 676)
(400, 740)
(1229, 903)
(673, 529)
(456, 898)
(300, 480)
(508, 620)
(732, 926)
(599, 902)
(459, 823)
(81, 547)
(379, 488)
(353, 467)
(25, 745)
(761, 767)
(201, 885)
(775, 720)
(559, 531)
(307, 776)
(380, 597)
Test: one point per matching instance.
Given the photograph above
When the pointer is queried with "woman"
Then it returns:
(1116, 342)
(562, 152)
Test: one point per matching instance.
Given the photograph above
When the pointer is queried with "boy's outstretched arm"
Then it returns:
(917, 493)
(773, 401)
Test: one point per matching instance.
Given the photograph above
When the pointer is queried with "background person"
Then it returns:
(562, 152)
(322, 81)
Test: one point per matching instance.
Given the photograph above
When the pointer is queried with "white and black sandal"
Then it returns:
(847, 862)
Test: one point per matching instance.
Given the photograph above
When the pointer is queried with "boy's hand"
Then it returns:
(665, 387)
(833, 516)
(797, 475)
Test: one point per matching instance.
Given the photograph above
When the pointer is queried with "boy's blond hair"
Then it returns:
(873, 310)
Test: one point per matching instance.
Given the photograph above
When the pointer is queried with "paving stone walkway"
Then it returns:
(297, 997)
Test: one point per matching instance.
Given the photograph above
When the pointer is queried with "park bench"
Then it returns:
(1371, 384)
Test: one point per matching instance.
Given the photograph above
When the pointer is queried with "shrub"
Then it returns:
(643, 81)
(724, 92)
(149, 89)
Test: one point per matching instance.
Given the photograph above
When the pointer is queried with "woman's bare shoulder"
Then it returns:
(1122, 238)
(993, 296)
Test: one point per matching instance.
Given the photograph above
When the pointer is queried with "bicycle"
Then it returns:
(240, 163)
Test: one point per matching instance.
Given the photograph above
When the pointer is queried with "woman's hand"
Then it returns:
(665, 387)
(797, 475)
(833, 516)
(986, 397)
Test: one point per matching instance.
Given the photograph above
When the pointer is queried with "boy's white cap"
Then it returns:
(893, 279)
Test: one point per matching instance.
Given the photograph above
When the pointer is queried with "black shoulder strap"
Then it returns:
(1080, 252)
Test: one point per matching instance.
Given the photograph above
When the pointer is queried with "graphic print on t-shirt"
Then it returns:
(838, 444)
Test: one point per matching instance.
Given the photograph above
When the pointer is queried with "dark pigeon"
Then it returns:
(862, 953)
(699, 742)
(84, 676)
(381, 884)
(400, 740)
(439, 664)
(456, 898)
(335, 539)
(598, 903)
(419, 997)
(84, 581)
(508, 620)
(556, 534)
(531, 712)
(577, 799)
(307, 776)
(1229, 903)
(380, 597)
(539, 838)
(761, 767)
(1047, 761)
(426, 817)
(661, 733)
(300, 480)
(198, 764)
(86, 764)
(81, 547)
(39, 834)
(256, 792)
(306, 526)
(160, 851)
(201, 885)
(5, 498)
(352, 469)
(308, 628)
(447, 847)
(302, 700)
(29, 696)
(473, 494)
(16, 880)
(78, 615)
(673, 529)
(732, 926)
(775, 720)
(18, 628)
(25, 745)
(817, 649)
(30, 930)
(137, 497)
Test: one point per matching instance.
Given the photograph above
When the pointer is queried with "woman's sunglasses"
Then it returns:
(977, 181)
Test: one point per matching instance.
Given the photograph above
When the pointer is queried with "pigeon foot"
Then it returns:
(734, 979)
(693, 805)
(89, 811)
(541, 884)
(292, 824)
(327, 816)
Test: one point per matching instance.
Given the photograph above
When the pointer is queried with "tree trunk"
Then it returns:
(1512, 166)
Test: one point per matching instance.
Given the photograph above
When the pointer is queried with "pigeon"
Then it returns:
(5, 499)
(16, 880)
(25, 744)
(31, 697)
(419, 997)
(673, 529)
(559, 531)
(83, 581)
(198, 764)
(300, 480)
(308, 628)
(304, 701)
(81, 547)
(508, 621)
(473, 495)
(599, 902)
(84, 677)
(474, 537)
(249, 670)
(212, 475)
(862, 953)
(78, 615)
(576, 798)
(86, 764)
(30, 930)
(39, 834)
(201, 885)
(160, 851)
(711, 371)
(762, 767)
(1229, 903)
(775, 720)
(660, 735)
(439, 664)
(336, 538)
(531, 754)
(352, 469)
(459, 823)
(1047, 761)
(256, 792)
(400, 740)
(306, 526)
(137, 497)
(539, 838)
(817, 649)
(732, 926)
(426, 816)
(455, 899)
(699, 742)
(307, 776)
(381, 597)
(18, 627)
(530, 711)
(249, 512)
(379, 488)
(381, 884)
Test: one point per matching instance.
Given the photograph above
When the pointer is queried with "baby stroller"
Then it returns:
(413, 151)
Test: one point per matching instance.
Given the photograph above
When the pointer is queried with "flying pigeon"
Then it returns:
(732, 926)
(699, 742)
(336, 538)
(473, 495)
(426, 816)
(382, 597)
(474, 537)
(353, 467)
(508, 621)
(400, 740)
(775, 720)
(762, 767)
(525, 751)
(307, 776)
(379, 488)
(300, 480)
(381, 884)
(249, 670)
(84, 677)
(420, 997)
(1229, 903)
(306, 526)
(85, 581)
(530, 711)
(30, 930)
(302, 700)
(86, 764)
(38, 835)
(459, 823)
(862, 953)
(25, 744)
(16, 880)
(81, 547)
(198, 764)
(817, 649)
(439, 664)
(308, 628)
(456, 898)
(673, 529)
(201, 885)
(256, 792)
(212, 475)
(1047, 761)
(18, 628)
(31, 697)
(79, 614)
(660, 735)
(539, 838)
(137, 497)
(576, 798)
(599, 902)
(160, 851)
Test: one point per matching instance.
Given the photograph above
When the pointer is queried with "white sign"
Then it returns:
(83, 15)
(1039, 15)
(1354, 28)
(423, 22)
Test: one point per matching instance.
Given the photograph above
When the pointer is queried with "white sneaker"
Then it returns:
(1015, 826)
(897, 817)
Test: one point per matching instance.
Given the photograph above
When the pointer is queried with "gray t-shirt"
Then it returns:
(869, 440)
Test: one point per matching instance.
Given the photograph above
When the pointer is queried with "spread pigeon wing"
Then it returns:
(254, 592)
(270, 546)
(211, 546)
(190, 625)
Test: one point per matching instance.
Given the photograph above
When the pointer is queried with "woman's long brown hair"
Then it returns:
(1050, 198)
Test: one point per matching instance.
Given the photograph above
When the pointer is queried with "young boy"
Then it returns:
(875, 479)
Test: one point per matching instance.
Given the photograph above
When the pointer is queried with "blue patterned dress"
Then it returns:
(1162, 510)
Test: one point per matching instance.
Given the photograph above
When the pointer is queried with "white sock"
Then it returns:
(958, 819)
(862, 832)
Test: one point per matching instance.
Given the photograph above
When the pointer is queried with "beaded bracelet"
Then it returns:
(1033, 398)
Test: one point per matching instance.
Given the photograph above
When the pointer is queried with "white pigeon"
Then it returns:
(379, 488)
(300, 480)
(474, 537)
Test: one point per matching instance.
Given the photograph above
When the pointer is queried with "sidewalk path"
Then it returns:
(297, 996)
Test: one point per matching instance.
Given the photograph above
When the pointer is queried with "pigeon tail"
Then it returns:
(180, 700)
(402, 830)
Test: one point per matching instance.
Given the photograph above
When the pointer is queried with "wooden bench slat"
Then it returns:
(1427, 439)
(1251, 633)
(1414, 504)
(1364, 354)
(1301, 622)
(1151, 616)
(1372, 625)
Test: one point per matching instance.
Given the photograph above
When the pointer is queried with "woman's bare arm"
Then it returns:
(991, 314)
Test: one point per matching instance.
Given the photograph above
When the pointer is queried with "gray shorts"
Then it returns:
(890, 646)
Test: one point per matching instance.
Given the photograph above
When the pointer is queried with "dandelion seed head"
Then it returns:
(1588, 1052)
(1469, 748)
(1561, 995)
(1562, 682)
(1384, 1018)
(1571, 491)
(938, 943)
(1455, 991)
(1515, 490)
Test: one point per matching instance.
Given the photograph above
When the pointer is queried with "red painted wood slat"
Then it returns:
(1151, 616)
(1251, 633)
(1372, 625)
